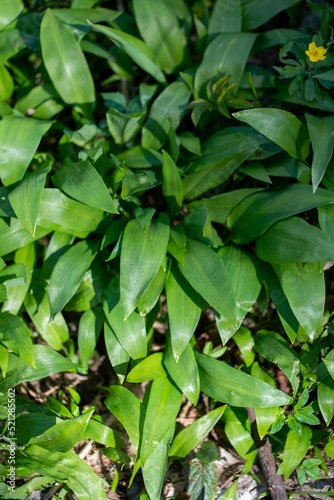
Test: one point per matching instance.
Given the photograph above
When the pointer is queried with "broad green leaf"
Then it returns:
(220, 206)
(26, 198)
(246, 286)
(229, 385)
(257, 12)
(3, 360)
(61, 213)
(294, 240)
(225, 17)
(265, 417)
(81, 181)
(295, 449)
(172, 187)
(155, 467)
(163, 402)
(63, 436)
(14, 236)
(135, 48)
(148, 369)
(19, 139)
(80, 14)
(54, 332)
(10, 10)
(276, 350)
(238, 432)
(73, 264)
(281, 127)
(192, 435)
(139, 264)
(166, 112)
(89, 328)
(152, 293)
(16, 336)
(203, 473)
(221, 155)
(65, 62)
(117, 355)
(124, 127)
(329, 448)
(183, 372)
(159, 27)
(326, 391)
(47, 362)
(16, 293)
(183, 314)
(6, 83)
(65, 467)
(321, 132)
(225, 55)
(304, 287)
(126, 407)
(29, 425)
(130, 332)
(245, 342)
(231, 492)
(207, 274)
(258, 211)
(102, 434)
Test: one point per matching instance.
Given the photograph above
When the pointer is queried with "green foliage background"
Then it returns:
(155, 165)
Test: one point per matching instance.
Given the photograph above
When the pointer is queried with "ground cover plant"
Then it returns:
(166, 240)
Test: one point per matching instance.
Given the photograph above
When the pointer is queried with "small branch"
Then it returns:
(267, 462)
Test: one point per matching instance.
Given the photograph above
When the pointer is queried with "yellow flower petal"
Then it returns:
(315, 53)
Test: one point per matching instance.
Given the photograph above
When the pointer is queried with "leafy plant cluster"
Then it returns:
(155, 166)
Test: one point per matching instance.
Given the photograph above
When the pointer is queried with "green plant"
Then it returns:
(134, 196)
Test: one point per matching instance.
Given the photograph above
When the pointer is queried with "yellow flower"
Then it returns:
(315, 53)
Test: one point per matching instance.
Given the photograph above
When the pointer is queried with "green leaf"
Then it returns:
(60, 213)
(135, 48)
(183, 372)
(221, 155)
(229, 385)
(238, 432)
(19, 139)
(321, 132)
(281, 127)
(257, 12)
(139, 265)
(191, 436)
(246, 286)
(258, 211)
(203, 474)
(207, 274)
(47, 362)
(159, 27)
(265, 418)
(183, 314)
(130, 332)
(10, 10)
(64, 467)
(225, 18)
(155, 467)
(65, 62)
(126, 407)
(163, 402)
(167, 111)
(89, 329)
(15, 335)
(124, 127)
(118, 356)
(148, 369)
(294, 240)
(73, 264)
(81, 181)
(172, 187)
(152, 293)
(295, 449)
(54, 332)
(326, 389)
(102, 434)
(304, 287)
(26, 198)
(276, 350)
(245, 342)
(64, 435)
(227, 54)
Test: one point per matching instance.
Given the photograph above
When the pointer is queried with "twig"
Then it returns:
(267, 462)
